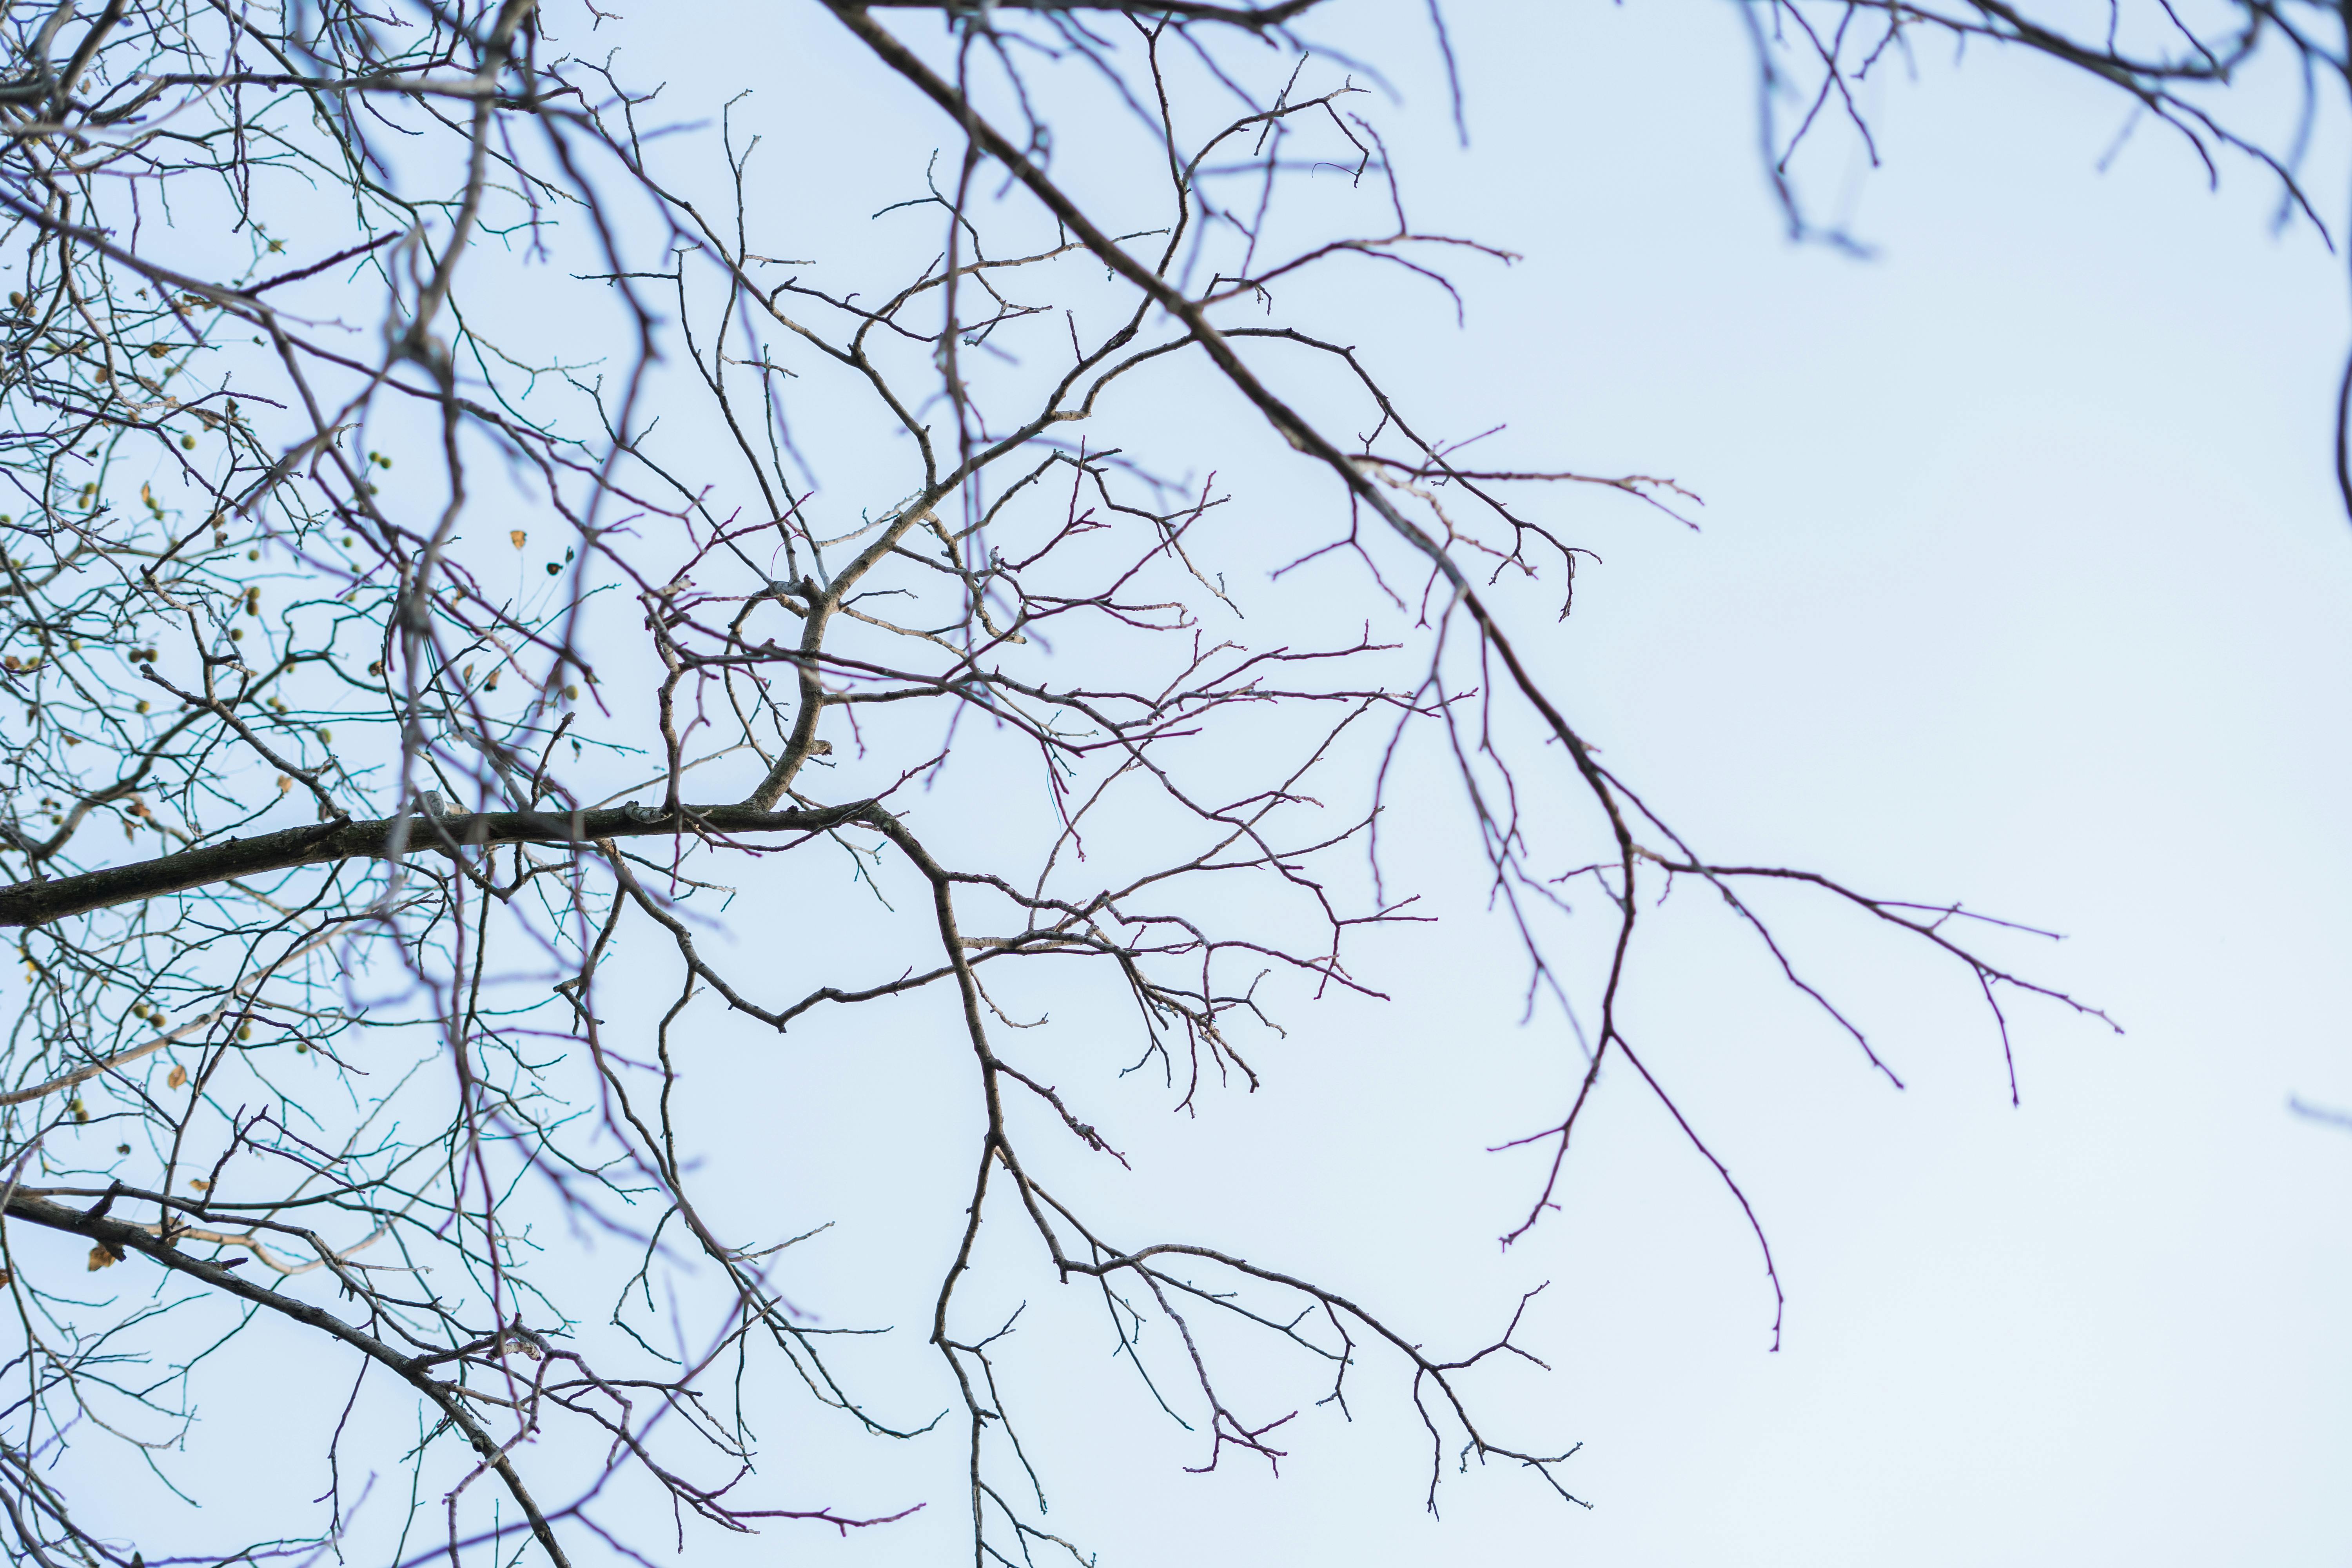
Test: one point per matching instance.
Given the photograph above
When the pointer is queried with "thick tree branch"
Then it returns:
(120, 1237)
(38, 902)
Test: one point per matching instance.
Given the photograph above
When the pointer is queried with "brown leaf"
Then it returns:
(518, 536)
(175, 1078)
(105, 1255)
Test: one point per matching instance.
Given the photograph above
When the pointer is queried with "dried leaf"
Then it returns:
(105, 1255)
(175, 1078)
(516, 536)
(200, 1184)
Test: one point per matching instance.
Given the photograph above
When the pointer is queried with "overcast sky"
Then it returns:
(2020, 580)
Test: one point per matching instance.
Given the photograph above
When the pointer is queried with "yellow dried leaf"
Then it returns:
(175, 1078)
(105, 1255)
(516, 536)
(200, 1184)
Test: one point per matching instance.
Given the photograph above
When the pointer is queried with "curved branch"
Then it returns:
(38, 902)
(120, 1236)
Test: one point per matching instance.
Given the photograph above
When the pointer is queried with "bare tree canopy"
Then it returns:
(521, 594)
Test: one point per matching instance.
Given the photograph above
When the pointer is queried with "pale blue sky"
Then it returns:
(2021, 580)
